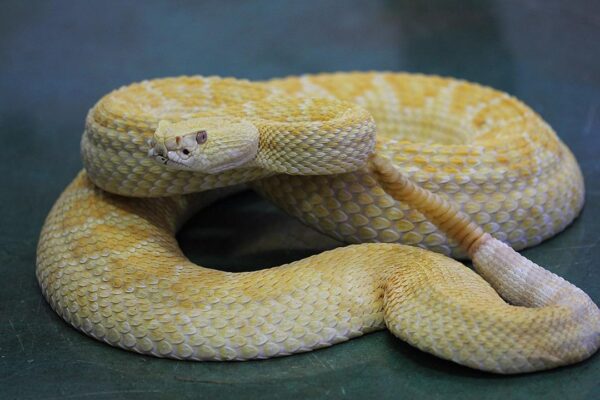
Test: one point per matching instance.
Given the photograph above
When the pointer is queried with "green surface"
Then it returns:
(57, 60)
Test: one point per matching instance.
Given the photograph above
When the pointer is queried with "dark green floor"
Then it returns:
(56, 60)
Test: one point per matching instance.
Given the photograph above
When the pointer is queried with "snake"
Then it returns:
(412, 171)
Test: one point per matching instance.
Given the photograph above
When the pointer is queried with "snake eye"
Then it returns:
(186, 151)
(201, 137)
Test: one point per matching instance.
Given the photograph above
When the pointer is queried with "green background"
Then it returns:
(57, 59)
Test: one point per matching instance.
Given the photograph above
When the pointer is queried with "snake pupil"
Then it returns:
(201, 137)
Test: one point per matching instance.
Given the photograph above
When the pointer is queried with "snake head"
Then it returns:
(209, 144)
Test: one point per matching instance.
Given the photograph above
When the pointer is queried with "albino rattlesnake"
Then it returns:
(111, 266)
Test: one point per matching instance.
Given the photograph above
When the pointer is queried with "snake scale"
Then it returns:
(450, 167)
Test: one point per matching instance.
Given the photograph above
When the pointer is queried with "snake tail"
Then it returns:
(535, 295)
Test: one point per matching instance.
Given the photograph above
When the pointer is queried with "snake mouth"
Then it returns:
(159, 157)
(168, 161)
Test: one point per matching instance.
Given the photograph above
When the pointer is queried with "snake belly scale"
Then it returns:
(111, 267)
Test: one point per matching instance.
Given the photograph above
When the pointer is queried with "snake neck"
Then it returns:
(340, 144)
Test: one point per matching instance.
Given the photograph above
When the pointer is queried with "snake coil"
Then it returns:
(455, 168)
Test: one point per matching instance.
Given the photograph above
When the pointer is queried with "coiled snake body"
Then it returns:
(111, 267)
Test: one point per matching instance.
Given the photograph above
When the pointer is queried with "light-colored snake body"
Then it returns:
(480, 148)
(111, 266)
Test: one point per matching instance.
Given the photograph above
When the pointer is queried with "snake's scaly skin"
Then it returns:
(480, 148)
(111, 266)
